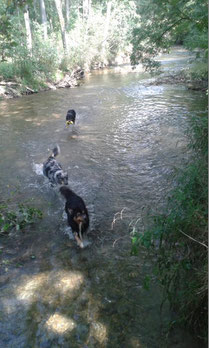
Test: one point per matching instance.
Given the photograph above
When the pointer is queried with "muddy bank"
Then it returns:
(13, 89)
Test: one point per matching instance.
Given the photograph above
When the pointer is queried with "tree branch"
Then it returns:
(171, 26)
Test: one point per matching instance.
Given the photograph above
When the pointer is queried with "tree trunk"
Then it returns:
(58, 4)
(107, 23)
(86, 8)
(28, 29)
(67, 7)
(43, 18)
(35, 8)
(106, 27)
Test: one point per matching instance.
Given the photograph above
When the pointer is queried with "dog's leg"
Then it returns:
(80, 233)
(78, 240)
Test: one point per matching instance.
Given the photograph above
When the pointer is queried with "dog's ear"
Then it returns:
(70, 211)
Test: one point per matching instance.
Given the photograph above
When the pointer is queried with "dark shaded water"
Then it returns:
(128, 139)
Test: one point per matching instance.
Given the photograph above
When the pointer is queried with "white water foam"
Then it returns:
(68, 231)
(38, 168)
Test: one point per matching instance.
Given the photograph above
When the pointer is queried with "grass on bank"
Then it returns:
(178, 238)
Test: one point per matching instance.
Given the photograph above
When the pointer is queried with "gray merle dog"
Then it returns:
(53, 170)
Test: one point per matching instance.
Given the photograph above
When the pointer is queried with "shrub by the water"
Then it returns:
(178, 238)
(17, 218)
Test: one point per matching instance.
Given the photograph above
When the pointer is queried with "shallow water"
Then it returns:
(128, 139)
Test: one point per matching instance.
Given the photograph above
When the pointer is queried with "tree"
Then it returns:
(86, 8)
(163, 22)
(58, 4)
(67, 8)
(43, 18)
(28, 29)
(106, 27)
(6, 38)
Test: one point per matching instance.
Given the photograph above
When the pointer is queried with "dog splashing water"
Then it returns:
(53, 170)
(77, 214)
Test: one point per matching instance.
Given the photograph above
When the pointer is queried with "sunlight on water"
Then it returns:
(29, 288)
(128, 141)
(60, 324)
(46, 285)
(99, 332)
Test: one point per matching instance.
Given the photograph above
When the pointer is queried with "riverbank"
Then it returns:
(14, 89)
(177, 236)
(192, 79)
(195, 84)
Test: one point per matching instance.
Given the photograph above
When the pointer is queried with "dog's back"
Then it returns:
(53, 170)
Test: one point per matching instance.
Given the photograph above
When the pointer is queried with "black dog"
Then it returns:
(53, 170)
(77, 214)
(70, 117)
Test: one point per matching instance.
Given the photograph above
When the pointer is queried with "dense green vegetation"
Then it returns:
(17, 218)
(178, 237)
(41, 41)
(166, 22)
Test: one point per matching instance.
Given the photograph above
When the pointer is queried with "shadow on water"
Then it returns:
(127, 140)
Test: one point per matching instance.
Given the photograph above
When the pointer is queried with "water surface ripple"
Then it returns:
(128, 138)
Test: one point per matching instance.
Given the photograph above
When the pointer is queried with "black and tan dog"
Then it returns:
(77, 214)
(70, 117)
(53, 170)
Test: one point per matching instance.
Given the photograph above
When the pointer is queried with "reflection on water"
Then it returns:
(127, 140)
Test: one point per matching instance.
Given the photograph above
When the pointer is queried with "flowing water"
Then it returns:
(128, 139)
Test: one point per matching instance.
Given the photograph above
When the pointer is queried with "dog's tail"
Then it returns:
(55, 151)
(66, 192)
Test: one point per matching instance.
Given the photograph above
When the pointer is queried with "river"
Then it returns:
(128, 139)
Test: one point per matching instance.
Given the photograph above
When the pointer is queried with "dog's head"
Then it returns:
(62, 178)
(79, 217)
(70, 117)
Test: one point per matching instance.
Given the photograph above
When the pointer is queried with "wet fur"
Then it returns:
(70, 117)
(53, 170)
(77, 214)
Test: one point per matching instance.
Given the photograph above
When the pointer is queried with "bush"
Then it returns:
(7, 71)
(178, 238)
(18, 219)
